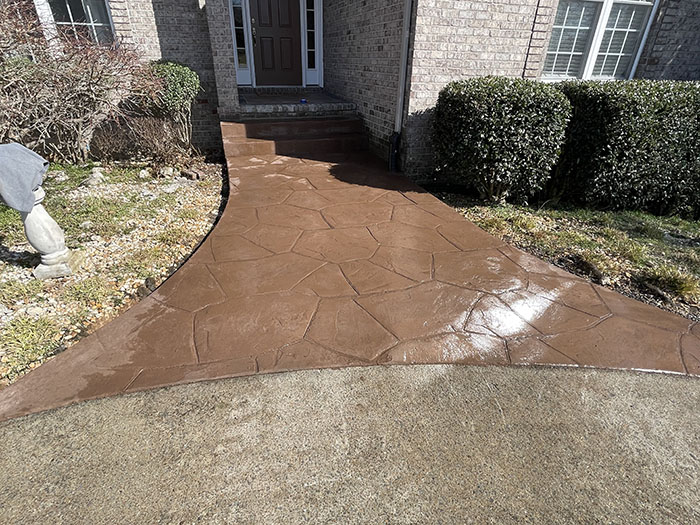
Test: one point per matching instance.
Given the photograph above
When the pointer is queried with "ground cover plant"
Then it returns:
(647, 257)
(133, 230)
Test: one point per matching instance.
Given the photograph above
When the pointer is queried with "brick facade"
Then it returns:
(450, 40)
(175, 30)
(672, 50)
(362, 52)
(455, 40)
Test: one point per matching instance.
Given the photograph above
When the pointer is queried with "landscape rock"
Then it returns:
(57, 175)
(144, 174)
(96, 178)
(194, 174)
(34, 311)
(166, 172)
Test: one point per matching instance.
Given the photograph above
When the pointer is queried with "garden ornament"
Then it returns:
(21, 175)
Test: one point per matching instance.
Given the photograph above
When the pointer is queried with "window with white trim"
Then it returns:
(596, 38)
(84, 18)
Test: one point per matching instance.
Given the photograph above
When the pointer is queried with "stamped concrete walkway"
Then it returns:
(320, 264)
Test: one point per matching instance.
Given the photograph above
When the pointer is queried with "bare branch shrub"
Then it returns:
(54, 95)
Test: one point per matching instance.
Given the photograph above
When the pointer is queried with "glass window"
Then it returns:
(84, 18)
(239, 34)
(596, 38)
(311, 34)
(571, 37)
(623, 32)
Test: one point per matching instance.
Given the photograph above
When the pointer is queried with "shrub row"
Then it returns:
(632, 145)
(615, 145)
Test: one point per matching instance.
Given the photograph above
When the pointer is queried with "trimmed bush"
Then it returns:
(180, 86)
(632, 145)
(499, 136)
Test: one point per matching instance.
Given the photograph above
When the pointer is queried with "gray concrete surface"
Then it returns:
(376, 445)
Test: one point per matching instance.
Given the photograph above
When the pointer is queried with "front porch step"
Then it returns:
(294, 128)
(292, 137)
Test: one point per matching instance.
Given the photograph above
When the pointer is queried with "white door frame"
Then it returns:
(309, 77)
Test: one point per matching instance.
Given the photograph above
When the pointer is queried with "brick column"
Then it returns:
(223, 49)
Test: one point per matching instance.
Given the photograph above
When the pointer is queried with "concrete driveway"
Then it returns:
(420, 444)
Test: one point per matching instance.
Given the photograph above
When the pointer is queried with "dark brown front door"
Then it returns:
(276, 42)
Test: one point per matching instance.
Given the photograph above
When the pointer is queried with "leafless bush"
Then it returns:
(54, 93)
(142, 137)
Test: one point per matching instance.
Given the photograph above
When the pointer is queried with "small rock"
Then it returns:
(97, 170)
(171, 188)
(150, 283)
(4, 311)
(87, 224)
(142, 291)
(94, 179)
(58, 175)
(144, 174)
(34, 311)
(194, 174)
(166, 172)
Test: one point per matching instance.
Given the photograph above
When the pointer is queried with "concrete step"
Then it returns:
(337, 143)
(293, 128)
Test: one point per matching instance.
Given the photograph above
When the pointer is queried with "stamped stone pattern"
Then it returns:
(334, 263)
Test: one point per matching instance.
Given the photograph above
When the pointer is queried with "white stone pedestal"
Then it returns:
(48, 239)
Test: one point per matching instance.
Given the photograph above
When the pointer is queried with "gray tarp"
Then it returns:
(21, 172)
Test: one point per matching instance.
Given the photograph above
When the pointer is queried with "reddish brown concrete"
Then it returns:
(331, 264)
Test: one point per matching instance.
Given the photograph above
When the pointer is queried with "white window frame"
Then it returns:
(309, 77)
(598, 35)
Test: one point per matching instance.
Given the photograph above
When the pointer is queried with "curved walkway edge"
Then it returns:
(333, 262)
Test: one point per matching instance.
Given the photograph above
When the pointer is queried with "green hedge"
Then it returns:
(499, 136)
(632, 145)
(180, 87)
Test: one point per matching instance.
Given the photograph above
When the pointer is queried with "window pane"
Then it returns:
(59, 10)
(242, 59)
(621, 39)
(312, 60)
(573, 30)
(309, 4)
(310, 20)
(238, 17)
(104, 35)
(240, 41)
(97, 11)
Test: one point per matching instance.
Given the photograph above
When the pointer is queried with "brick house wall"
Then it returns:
(672, 50)
(362, 52)
(455, 40)
(175, 30)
